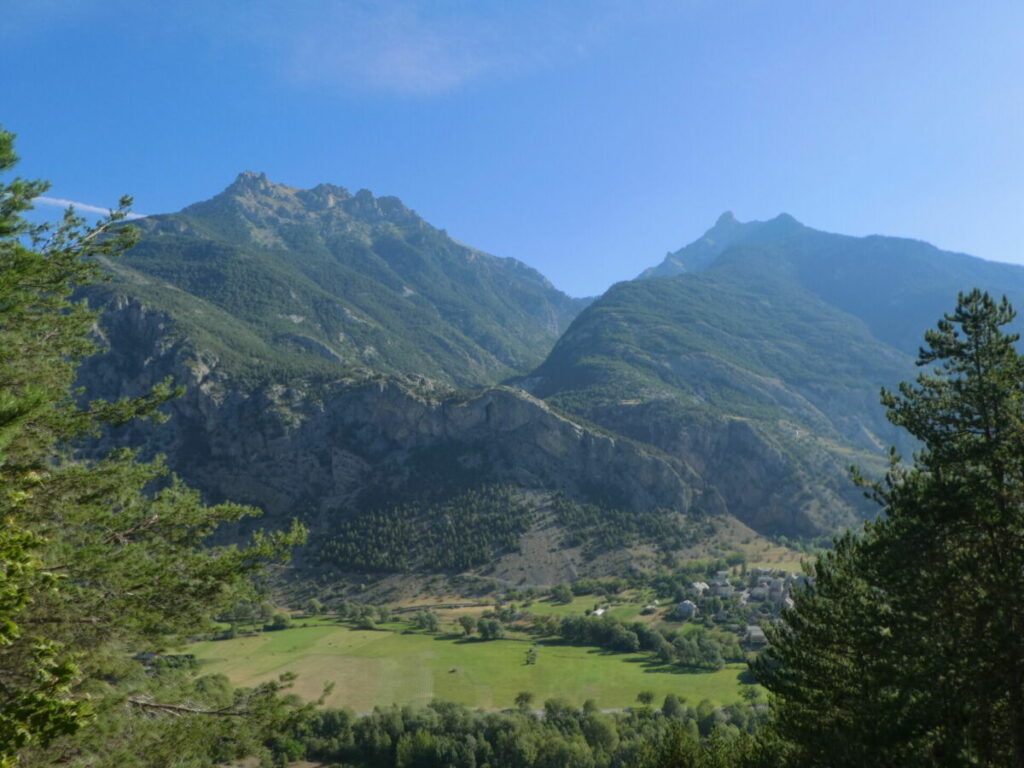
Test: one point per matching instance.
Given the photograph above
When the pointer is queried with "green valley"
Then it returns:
(603, 553)
(463, 430)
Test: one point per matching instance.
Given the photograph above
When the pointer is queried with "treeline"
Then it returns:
(465, 531)
(447, 735)
(695, 649)
(602, 527)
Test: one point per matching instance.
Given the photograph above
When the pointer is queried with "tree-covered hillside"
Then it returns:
(105, 564)
(908, 648)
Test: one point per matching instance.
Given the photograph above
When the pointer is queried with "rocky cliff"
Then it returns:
(322, 450)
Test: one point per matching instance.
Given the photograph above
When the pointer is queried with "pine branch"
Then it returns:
(179, 709)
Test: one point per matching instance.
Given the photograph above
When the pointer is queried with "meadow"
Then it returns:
(385, 666)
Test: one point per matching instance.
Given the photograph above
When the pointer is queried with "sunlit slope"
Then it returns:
(378, 668)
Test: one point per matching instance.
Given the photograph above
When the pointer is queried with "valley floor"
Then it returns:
(390, 665)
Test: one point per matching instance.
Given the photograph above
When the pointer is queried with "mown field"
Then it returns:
(379, 667)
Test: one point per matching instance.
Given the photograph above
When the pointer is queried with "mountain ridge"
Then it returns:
(742, 387)
(369, 284)
(873, 271)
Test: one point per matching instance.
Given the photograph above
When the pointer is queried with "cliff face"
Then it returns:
(325, 451)
(776, 481)
(322, 451)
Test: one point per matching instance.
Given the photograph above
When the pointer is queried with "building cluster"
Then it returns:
(758, 596)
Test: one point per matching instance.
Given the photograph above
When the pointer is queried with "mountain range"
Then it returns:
(347, 363)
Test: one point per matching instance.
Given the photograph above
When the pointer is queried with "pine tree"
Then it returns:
(100, 561)
(909, 649)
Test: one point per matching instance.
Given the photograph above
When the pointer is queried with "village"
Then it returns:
(740, 603)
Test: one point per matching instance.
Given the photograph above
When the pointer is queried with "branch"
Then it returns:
(178, 709)
(62, 620)
(121, 537)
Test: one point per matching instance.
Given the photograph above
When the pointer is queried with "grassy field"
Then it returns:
(623, 611)
(371, 668)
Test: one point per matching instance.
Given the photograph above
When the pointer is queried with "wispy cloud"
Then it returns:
(411, 47)
(80, 207)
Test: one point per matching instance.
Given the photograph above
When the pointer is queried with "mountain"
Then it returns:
(898, 287)
(340, 359)
(764, 345)
(282, 281)
(343, 362)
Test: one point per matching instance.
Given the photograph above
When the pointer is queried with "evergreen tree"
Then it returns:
(909, 648)
(103, 563)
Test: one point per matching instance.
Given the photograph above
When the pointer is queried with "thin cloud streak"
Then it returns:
(402, 47)
(62, 203)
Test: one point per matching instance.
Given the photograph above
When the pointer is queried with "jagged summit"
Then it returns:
(254, 183)
(250, 177)
(726, 219)
(728, 225)
(251, 183)
(262, 205)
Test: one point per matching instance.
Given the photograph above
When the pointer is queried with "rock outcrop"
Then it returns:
(318, 450)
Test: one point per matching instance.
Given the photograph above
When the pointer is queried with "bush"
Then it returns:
(277, 622)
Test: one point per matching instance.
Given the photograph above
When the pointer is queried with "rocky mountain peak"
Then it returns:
(726, 232)
(728, 224)
(324, 196)
(250, 182)
(727, 219)
(265, 203)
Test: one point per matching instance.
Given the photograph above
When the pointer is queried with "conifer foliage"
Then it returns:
(909, 648)
(102, 563)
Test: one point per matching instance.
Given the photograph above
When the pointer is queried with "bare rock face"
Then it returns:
(780, 481)
(320, 451)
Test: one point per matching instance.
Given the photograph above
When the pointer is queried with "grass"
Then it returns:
(627, 611)
(370, 668)
(577, 607)
(791, 565)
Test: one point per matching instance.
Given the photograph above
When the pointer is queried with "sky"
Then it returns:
(586, 138)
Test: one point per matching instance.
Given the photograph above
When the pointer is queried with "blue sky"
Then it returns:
(585, 138)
